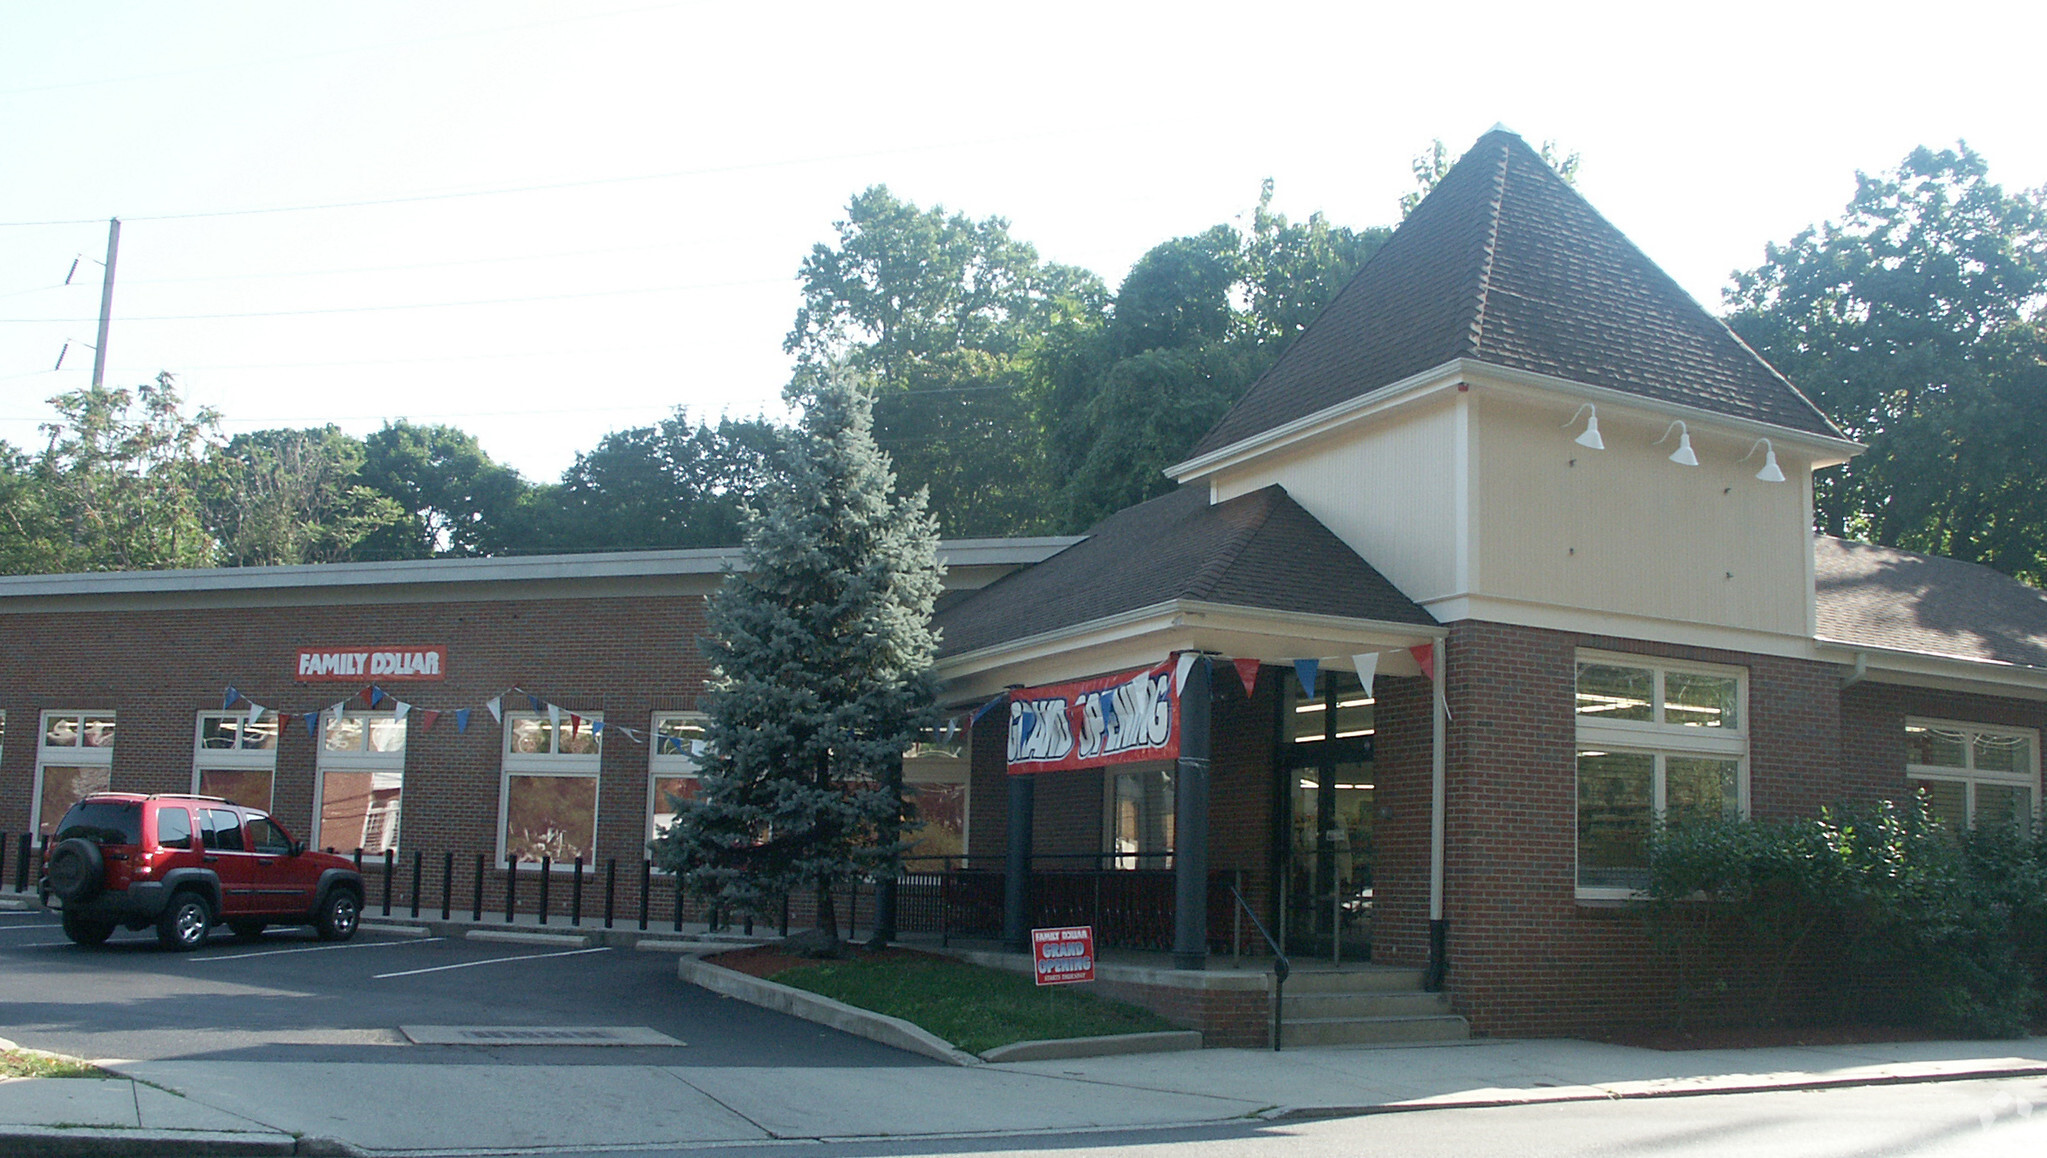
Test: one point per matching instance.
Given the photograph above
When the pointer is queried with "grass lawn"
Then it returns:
(974, 1008)
(15, 1063)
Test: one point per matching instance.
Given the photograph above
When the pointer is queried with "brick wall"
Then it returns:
(1873, 729)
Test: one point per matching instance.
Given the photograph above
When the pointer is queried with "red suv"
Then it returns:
(186, 863)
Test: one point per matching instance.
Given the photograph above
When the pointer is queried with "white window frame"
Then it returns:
(237, 759)
(1658, 739)
(67, 756)
(666, 762)
(1969, 776)
(361, 759)
(583, 765)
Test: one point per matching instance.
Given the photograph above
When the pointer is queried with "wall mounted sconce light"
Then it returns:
(1771, 472)
(1683, 455)
(1590, 439)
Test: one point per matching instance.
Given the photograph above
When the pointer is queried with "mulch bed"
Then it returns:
(768, 960)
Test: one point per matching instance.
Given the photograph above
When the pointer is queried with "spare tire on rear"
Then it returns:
(76, 870)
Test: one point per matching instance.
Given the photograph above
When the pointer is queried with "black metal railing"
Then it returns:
(1281, 967)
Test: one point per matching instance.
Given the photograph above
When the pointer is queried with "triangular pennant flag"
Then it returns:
(554, 717)
(496, 704)
(284, 720)
(369, 696)
(428, 717)
(313, 725)
(404, 709)
(575, 725)
(462, 719)
(1425, 655)
(1247, 671)
(697, 749)
(255, 713)
(952, 728)
(1368, 666)
(1180, 670)
(1305, 670)
(534, 700)
(228, 698)
(377, 695)
(984, 709)
(597, 727)
(339, 709)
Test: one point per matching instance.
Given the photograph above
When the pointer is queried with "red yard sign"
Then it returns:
(1063, 956)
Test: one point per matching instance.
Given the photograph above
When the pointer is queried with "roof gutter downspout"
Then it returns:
(1439, 928)
(1861, 669)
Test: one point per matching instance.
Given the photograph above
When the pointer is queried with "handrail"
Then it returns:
(1280, 966)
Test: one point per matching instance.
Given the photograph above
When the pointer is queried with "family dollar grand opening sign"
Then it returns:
(1063, 956)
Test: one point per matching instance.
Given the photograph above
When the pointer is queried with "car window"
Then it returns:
(103, 822)
(173, 828)
(266, 836)
(223, 830)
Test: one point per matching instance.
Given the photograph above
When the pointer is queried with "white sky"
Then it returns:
(696, 151)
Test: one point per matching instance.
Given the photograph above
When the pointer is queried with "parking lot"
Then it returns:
(290, 997)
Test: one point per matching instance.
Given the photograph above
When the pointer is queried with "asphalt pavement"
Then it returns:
(323, 1063)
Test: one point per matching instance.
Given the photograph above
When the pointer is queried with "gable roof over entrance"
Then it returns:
(1505, 263)
(1259, 551)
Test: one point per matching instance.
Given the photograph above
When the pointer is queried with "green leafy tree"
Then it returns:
(944, 314)
(821, 650)
(296, 496)
(1432, 163)
(673, 484)
(118, 487)
(456, 500)
(1916, 322)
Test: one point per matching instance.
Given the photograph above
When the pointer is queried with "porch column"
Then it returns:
(1190, 823)
(1016, 880)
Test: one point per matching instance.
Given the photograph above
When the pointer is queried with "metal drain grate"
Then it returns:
(535, 1035)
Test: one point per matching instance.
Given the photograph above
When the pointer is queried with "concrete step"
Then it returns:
(1373, 1030)
(1360, 979)
(1377, 1004)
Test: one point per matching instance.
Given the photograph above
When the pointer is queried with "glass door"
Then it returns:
(1327, 761)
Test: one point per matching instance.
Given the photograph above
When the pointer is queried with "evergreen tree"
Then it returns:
(821, 650)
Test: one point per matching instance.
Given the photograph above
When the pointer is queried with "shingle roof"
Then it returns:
(1258, 550)
(1884, 597)
(1505, 263)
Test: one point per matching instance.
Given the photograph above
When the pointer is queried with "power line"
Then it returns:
(412, 305)
(673, 174)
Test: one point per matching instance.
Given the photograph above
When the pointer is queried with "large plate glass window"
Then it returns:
(359, 795)
(1974, 775)
(1657, 741)
(1140, 817)
(935, 778)
(74, 759)
(235, 758)
(672, 769)
(547, 803)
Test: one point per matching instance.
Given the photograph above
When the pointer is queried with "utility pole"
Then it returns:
(99, 352)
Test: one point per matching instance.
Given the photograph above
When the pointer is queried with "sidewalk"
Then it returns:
(199, 1107)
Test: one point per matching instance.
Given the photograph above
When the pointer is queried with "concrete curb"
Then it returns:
(1051, 1049)
(512, 937)
(1641, 1091)
(822, 1010)
(57, 1142)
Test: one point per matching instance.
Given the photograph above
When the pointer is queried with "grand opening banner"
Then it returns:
(1118, 719)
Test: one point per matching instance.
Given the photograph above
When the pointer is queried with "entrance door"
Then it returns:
(1326, 757)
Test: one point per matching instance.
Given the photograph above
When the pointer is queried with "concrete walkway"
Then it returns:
(203, 1107)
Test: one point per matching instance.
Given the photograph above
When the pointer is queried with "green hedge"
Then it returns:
(1877, 891)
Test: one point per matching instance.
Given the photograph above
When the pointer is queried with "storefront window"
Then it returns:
(1973, 775)
(548, 797)
(235, 758)
(75, 760)
(1657, 743)
(1141, 819)
(935, 778)
(359, 793)
(672, 770)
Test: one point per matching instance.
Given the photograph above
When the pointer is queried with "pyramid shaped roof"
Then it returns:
(1504, 263)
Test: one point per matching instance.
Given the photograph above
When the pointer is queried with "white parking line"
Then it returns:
(492, 961)
(309, 949)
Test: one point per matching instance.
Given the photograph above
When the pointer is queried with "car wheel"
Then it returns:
(76, 870)
(339, 916)
(84, 931)
(185, 923)
(247, 930)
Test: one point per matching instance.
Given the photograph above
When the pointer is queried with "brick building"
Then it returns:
(1510, 554)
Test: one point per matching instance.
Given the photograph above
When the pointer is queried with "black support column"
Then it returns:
(1190, 823)
(1016, 880)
